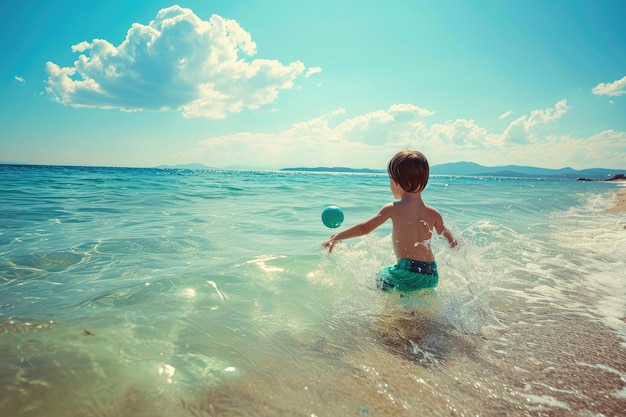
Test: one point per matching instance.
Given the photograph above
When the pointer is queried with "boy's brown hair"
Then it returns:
(410, 170)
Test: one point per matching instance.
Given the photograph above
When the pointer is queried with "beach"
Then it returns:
(147, 292)
(620, 202)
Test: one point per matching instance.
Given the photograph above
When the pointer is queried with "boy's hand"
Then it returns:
(450, 238)
(330, 244)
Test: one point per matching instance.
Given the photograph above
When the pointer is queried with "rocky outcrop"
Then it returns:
(614, 178)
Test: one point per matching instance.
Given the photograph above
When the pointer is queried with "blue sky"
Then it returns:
(277, 83)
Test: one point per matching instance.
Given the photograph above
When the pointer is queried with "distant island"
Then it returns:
(473, 169)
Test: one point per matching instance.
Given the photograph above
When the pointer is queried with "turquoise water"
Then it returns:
(147, 292)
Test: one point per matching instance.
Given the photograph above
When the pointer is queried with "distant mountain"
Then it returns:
(476, 170)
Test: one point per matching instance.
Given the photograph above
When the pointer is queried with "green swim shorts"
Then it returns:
(408, 275)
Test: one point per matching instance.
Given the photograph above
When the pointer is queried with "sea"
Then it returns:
(175, 292)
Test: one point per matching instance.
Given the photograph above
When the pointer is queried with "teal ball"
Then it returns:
(332, 217)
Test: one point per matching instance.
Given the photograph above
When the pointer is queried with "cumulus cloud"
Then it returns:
(616, 88)
(332, 138)
(365, 140)
(313, 70)
(176, 62)
(505, 115)
(524, 128)
(603, 149)
(461, 134)
(369, 139)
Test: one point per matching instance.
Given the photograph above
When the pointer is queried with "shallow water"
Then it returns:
(145, 292)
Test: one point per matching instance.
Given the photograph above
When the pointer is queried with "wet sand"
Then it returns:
(620, 203)
(567, 366)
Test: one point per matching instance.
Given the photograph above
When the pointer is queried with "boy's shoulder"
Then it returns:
(431, 209)
(389, 206)
(433, 212)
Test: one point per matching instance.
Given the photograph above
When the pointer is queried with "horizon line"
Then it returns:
(243, 168)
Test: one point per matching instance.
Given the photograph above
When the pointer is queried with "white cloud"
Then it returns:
(409, 110)
(369, 139)
(605, 149)
(462, 134)
(616, 88)
(323, 140)
(19, 79)
(505, 115)
(524, 128)
(313, 70)
(177, 62)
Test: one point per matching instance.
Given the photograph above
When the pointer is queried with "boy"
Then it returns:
(413, 224)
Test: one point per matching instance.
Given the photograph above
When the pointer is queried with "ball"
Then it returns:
(332, 217)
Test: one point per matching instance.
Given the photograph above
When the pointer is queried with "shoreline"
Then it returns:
(619, 205)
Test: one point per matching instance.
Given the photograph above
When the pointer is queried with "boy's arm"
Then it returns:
(450, 237)
(360, 229)
(441, 229)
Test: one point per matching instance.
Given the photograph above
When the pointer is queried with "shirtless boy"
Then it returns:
(413, 226)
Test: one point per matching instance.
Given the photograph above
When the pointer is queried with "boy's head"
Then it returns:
(410, 170)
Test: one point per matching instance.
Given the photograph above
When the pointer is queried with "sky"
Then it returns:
(277, 83)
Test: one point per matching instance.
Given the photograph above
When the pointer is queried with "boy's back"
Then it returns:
(413, 224)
